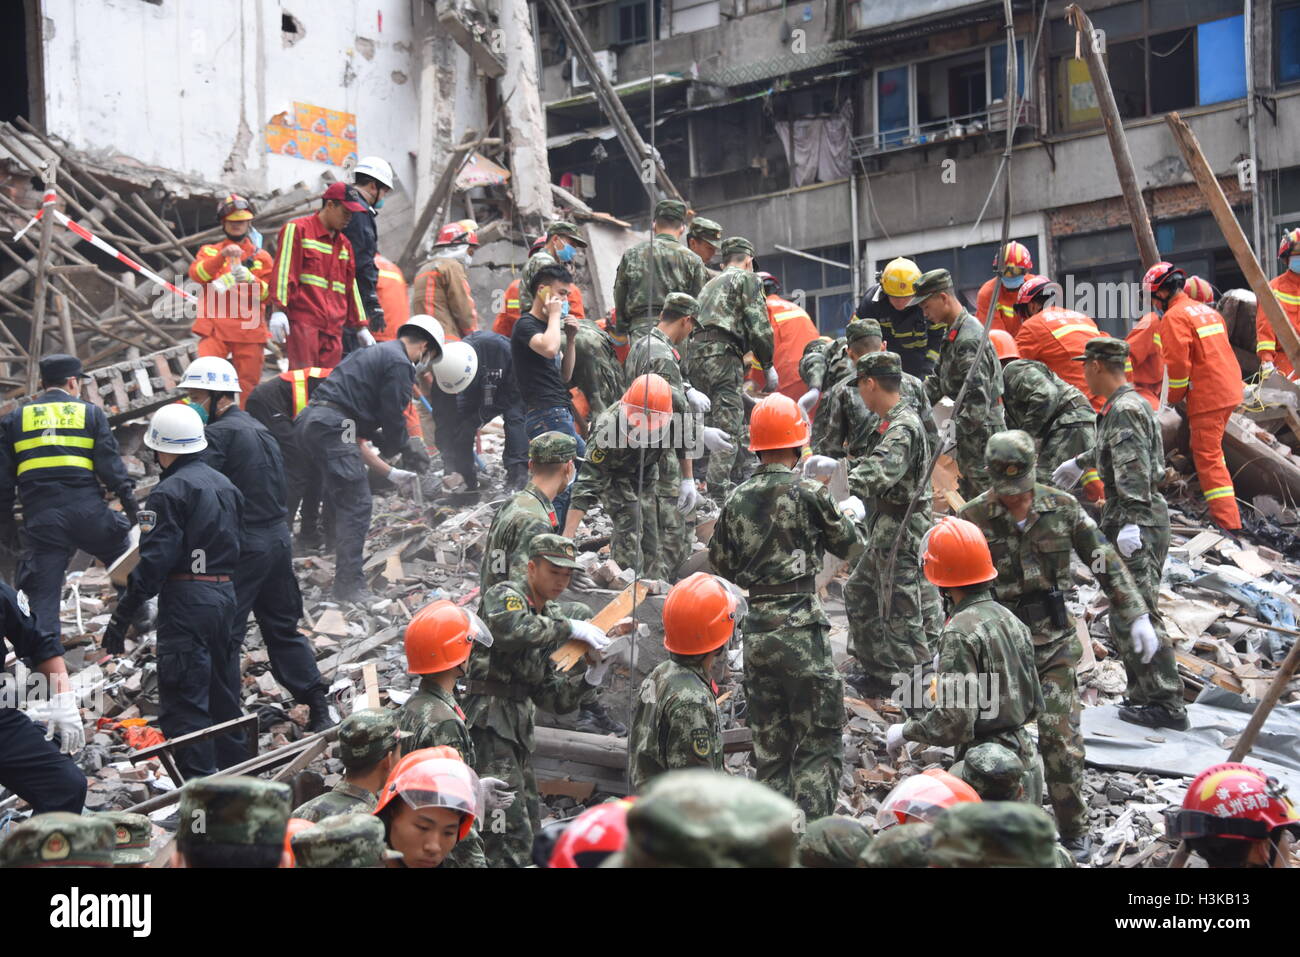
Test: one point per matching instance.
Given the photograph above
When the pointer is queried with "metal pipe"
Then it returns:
(856, 260)
(1256, 220)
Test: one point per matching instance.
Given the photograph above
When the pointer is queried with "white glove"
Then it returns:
(773, 380)
(894, 739)
(715, 440)
(1066, 474)
(595, 674)
(819, 466)
(62, 715)
(688, 497)
(808, 400)
(1129, 540)
(279, 326)
(496, 794)
(401, 477)
(1266, 369)
(364, 337)
(1145, 642)
(589, 634)
(242, 273)
(853, 508)
(227, 281)
(698, 400)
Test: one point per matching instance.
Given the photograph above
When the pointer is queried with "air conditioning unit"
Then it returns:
(606, 60)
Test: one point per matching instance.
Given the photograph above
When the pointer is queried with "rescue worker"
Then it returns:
(58, 454)
(40, 772)
(1130, 456)
(589, 839)
(512, 677)
(314, 289)
(981, 641)
(1286, 289)
(396, 305)
(245, 451)
(488, 391)
(1053, 335)
(560, 245)
(652, 269)
(996, 834)
(1032, 529)
(792, 330)
(1203, 370)
(232, 821)
(995, 772)
(1015, 264)
(963, 346)
(1199, 290)
(364, 397)
(843, 426)
(235, 274)
(189, 550)
(1147, 358)
(769, 539)
(732, 322)
(59, 839)
(597, 373)
(131, 838)
(703, 237)
(1235, 815)
(825, 361)
(676, 724)
(372, 180)
(835, 841)
(428, 808)
(369, 740)
(342, 840)
(903, 326)
(276, 403)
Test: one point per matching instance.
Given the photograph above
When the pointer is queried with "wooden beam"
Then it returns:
(618, 608)
(437, 199)
(49, 175)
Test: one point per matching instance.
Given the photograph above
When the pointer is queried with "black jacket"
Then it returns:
(374, 387)
(245, 451)
(364, 236)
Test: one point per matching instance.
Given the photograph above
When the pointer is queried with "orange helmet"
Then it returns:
(1236, 801)
(435, 782)
(593, 835)
(1004, 344)
(922, 797)
(1016, 256)
(1155, 277)
(423, 754)
(777, 423)
(1200, 290)
(440, 636)
(1032, 287)
(461, 231)
(700, 614)
(296, 825)
(647, 405)
(955, 554)
(1290, 240)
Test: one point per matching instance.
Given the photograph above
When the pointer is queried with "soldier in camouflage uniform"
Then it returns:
(558, 246)
(824, 362)
(703, 238)
(733, 321)
(993, 834)
(652, 269)
(343, 840)
(596, 369)
(368, 743)
(987, 688)
(1058, 416)
(232, 821)
(132, 835)
(963, 346)
(834, 841)
(769, 539)
(994, 772)
(1034, 581)
(551, 458)
(59, 839)
(1131, 459)
(510, 679)
(903, 845)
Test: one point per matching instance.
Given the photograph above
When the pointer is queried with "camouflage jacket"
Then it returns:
(1036, 559)
(734, 304)
(845, 424)
(981, 409)
(505, 552)
(1130, 455)
(984, 653)
(655, 353)
(611, 460)
(824, 362)
(1038, 401)
(676, 724)
(639, 296)
(343, 798)
(596, 370)
(887, 477)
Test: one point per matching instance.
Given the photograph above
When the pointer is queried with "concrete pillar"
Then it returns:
(530, 179)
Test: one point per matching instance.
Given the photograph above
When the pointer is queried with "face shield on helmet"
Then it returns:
(437, 783)
(922, 797)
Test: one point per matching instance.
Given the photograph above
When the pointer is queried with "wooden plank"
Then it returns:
(1208, 671)
(124, 564)
(370, 678)
(1199, 545)
(614, 612)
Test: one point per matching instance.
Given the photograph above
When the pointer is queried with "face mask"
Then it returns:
(564, 308)
(573, 476)
(1294, 265)
(1013, 282)
(379, 203)
(565, 255)
(199, 408)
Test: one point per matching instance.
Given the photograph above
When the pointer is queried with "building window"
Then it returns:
(1287, 30)
(629, 21)
(824, 291)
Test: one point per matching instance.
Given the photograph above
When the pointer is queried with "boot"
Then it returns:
(594, 719)
(320, 719)
(1153, 716)
(1079, 846)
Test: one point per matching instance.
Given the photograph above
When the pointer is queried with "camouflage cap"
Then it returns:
(552, 448)
(1104, 347)
(233, 810)
(993, 770)
(878, 364)
(367, 735)
(704, 818)
(904, 845)
(1010, 457)
(59, 839)
(705, 229)
(670, 209)
(929, 283)
(993, 834)
(566, 229)
(343, 840)
(860, 329)
(736, 244)
(132, 834)
(682, 303)
(556, 549)
(833, 841)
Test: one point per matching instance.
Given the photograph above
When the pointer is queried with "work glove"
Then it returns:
(715, 440)
(114, 638)
(589, 634)
(819, 466)
(773, 380)
(894, 740)
(1066, 474)
(62, 716)
(226, 281)
(853, 508)
(401, 477)
(365, 337)
(496, 795)
(698, 400)
(377, 321)
(688, 497)
(808, 401)
(1143, 636)
(415, 456)
(130, 507)
(595, 674)
(1266, 369)
(241, 273)
(279, 326)
(1129, 540)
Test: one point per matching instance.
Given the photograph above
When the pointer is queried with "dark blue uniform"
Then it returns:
(365, 397)
(30, 766)
(364, 236)
(55, 451)
(243, 450)
(493, 392)
(188, 556)
(908, 332)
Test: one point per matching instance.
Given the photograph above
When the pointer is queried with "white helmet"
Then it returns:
(211, 373)
(429, 326)
(458, 367)
(377, 168)
(176, 428)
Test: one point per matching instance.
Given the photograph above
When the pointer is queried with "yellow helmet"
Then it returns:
(899, 276)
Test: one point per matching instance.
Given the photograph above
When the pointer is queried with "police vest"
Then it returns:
(54, 434)
(298, 379)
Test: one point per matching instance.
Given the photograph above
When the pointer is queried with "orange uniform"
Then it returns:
(1146, 358)
(229, 323)
(1286, 289)
(1203, 368)
(1005, 317)
(509, 314)
(391, 289)
(792, 329)
(1054, 337)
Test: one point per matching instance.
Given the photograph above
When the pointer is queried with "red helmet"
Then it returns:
(1031, 288)
(235, 206)
(955, 554)
(1004, 344)
(777, 423)
(1016, 256)
(1236, 801)
(1200, 290)
(700, 614)
(922, 797)
(441, 636)
(769, 281)
(593, 835)
(1290, 240)
(435, 782)
(461, 231)
(1156, 276)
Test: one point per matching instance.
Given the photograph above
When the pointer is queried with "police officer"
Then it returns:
(364, 397)
(189, 548)
(55, 451)
(243, 450)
